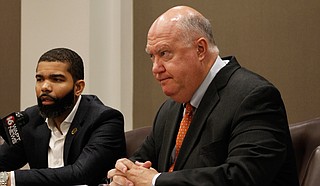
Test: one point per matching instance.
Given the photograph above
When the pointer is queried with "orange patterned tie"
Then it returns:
(184, 125)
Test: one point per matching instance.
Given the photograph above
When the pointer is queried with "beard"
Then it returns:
(60, 105)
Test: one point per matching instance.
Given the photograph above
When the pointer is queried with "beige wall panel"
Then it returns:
(278, 39)
(9, 56)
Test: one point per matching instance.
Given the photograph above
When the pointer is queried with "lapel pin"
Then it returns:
(74, 130)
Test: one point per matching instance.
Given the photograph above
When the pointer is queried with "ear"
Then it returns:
(202, 48)
(78, 87)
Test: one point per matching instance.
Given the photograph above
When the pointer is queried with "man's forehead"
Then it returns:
(53, 63)
(52, 66)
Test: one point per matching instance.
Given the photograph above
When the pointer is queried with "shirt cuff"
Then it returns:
(12, 179)
(154, 179)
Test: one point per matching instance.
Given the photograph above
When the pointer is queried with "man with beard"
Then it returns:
(70, 139)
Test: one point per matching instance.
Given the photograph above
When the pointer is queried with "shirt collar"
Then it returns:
(216, 67)
(66, 123)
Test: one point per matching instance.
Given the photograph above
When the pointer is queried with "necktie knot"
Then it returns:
(189, 109)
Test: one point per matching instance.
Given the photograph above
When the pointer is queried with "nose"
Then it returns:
(157, 67)
(46, 87)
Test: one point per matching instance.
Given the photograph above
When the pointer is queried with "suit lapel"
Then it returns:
(170, 130)
(207, 104)
(198, 121)
(43, 137)
(75, 126)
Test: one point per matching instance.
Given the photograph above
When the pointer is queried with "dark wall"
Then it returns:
(10, 24)
(278, 39)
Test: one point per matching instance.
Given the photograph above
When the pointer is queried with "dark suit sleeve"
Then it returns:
(11, 158)
(105, 144)
(14, 157)
(256, 139)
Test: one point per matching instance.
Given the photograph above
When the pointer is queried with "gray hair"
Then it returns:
(193, 26)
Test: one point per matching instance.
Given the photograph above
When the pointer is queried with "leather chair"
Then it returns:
(306, 139)
(312, 175)
(135, 138)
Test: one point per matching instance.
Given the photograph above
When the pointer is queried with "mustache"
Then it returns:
(47, 96)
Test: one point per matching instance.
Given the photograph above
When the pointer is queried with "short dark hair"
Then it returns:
(66, 55)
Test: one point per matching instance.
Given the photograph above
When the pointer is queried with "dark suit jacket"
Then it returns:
(93, 147)
(238, 136)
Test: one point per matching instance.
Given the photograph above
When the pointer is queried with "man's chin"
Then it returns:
(50, 113)
(167, 92)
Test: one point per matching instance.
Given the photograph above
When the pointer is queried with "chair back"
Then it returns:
(306, 139)
(135, 138)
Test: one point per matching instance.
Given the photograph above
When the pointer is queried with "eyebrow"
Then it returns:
(52, 75)
(159, 49)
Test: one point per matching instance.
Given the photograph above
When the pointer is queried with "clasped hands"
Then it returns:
(127, 173)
